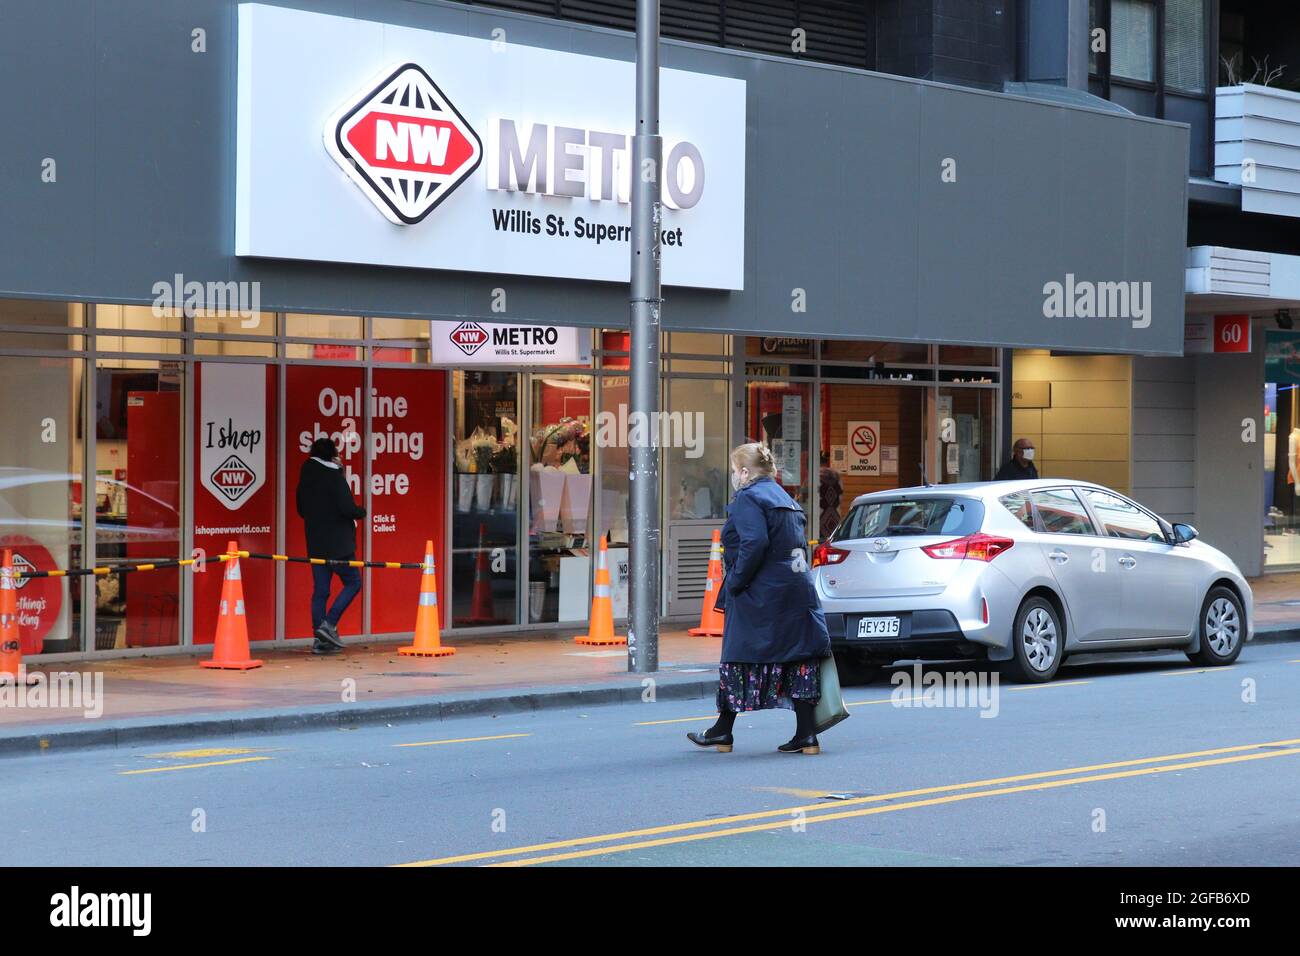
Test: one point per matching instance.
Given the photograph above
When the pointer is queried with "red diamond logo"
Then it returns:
(233, 478)
(22, 566)
(403, 143)
(469, 337)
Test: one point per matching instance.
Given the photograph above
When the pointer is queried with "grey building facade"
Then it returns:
(903, 231)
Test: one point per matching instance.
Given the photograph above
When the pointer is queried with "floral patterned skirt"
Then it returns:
(766, 686)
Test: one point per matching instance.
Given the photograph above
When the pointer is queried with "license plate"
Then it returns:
(879, 626)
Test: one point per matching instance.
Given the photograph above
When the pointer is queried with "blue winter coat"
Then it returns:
(771, 613)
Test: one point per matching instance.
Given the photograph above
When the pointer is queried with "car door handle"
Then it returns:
(1059, 556)
(1128, 561)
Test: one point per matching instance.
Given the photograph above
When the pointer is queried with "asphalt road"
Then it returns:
(1139, 761)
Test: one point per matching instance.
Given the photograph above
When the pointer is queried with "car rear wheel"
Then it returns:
(1037, 643)
(1223, 628)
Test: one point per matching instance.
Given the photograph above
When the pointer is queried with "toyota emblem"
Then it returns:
(880, 544)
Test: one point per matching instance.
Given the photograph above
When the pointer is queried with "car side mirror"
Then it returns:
(1183, 533)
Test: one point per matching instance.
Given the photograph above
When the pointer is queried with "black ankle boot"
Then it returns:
(805, 730)
(797, 744)
(719, 735)
(707, 739)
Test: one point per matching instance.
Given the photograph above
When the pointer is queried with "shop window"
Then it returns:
(486, 491)
(777, 347)
(33, 314)
(407, 330)
(321, 402)
(323, 351)
(699, 343)
(777, 414)
(134, 321)
(234, 322)
(696, 473)
(401, 332)
(42, 497)
(236, 433)
(302, 326)
(875, 353)
(965, 419)
(234, 347)
(974, 355)
(560, 492)
(138, 494)
(871, 440)
(616, 347)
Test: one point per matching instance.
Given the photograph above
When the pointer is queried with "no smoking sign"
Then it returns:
(863, 453)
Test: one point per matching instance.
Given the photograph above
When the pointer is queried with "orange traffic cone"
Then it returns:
(710, 619)
(602, 609)
(230, 647)
(11, 645)
(428, 637)
(483, 610)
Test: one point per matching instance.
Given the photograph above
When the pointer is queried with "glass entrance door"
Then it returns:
(559, 498)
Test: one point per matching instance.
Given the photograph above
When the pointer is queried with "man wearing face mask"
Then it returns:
(1021, 464)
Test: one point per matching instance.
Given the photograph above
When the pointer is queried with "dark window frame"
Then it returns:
(1209, 55)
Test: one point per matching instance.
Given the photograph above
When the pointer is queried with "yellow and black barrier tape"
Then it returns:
(104, 570)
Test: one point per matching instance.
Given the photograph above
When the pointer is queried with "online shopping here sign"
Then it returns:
(372, 143)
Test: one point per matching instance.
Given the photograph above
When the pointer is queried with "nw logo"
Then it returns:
(403, 143)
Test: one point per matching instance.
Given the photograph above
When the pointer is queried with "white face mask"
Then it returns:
(738, 478)
(1028, 453)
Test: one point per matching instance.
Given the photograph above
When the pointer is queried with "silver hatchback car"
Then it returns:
(1023, 573)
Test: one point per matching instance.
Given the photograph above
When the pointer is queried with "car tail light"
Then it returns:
(825, 554)
(984, 609)
(978, 547)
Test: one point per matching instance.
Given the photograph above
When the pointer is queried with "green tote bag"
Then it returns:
(830, 709)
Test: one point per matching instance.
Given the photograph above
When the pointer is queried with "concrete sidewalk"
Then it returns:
(171, 698)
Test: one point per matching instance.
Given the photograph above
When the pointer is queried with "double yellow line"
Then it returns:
(819, 812)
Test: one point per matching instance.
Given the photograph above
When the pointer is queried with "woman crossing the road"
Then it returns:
(774, 633)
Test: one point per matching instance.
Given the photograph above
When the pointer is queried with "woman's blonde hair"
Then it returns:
(755, 456)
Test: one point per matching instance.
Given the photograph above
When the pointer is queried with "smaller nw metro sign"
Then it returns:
(403, 143)
(469, 337)
(233, 478)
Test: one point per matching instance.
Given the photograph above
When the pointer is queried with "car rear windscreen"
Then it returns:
(922, 515)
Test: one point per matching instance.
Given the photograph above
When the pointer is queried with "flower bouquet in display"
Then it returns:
(506, 464)
(482, 448)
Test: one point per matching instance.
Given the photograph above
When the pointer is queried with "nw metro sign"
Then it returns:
(453, 152)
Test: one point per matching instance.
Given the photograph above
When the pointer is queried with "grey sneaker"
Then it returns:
(328, 633)
(324, 647)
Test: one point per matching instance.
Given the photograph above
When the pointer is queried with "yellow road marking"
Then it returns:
(460, 740)
(886, 700)
(1196, 670)
(870, 811)
(209, 752)
(875, 798)
(796, 792)
(1055, 683)
(193, 766)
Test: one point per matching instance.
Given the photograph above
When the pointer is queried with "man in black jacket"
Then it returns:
(330, 517)
(1021, 464)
